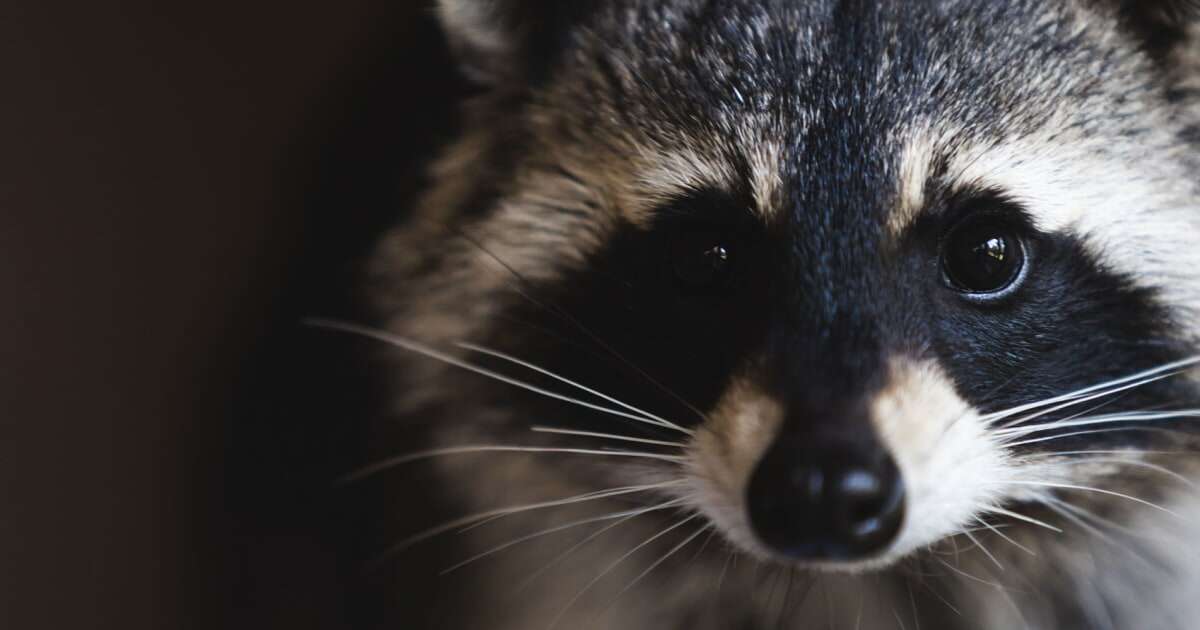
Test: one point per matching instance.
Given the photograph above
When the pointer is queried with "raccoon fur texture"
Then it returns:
(805, 314)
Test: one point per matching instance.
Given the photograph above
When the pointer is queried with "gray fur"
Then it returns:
(640, 101)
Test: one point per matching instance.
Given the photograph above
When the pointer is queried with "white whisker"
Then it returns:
(725, 570)
(912, 601)
(564, 555)
(1130, 462)
(606, 436)
(862, 602)
(1126, 451)
(399, 460)
(1140, 416)
(587, 496)
(1076, 401)
(1099, 520)
(984, 549)
(1063, 436)
(658, 562)
(587, 587)
(1026, 519)
(427, 351)
(1060, 507)
(996, 530)
(506, 511)
(704, 545)
(562, 379)
(1112, 493)
(624, 515)
(1167, 371)
(968, 575)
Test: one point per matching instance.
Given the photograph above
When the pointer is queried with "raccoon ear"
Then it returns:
(500, 41)
(1162, 25)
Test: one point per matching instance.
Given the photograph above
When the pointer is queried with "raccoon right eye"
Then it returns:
(701, 259)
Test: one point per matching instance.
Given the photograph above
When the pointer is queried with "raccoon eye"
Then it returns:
(982, 256)
(701, 259)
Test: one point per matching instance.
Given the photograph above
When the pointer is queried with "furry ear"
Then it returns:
(1163, 25)
(506, 40)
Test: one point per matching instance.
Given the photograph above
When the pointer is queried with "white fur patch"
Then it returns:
(1130, 200)
(662, 174)
(920, 149)
(766, 181)
(724, 453)
(1131, 204)
(953, 469)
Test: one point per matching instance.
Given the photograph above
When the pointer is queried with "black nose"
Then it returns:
(826, 501)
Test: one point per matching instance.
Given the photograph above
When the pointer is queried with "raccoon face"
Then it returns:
(846, 278)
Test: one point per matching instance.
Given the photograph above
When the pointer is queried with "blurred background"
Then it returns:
(180, 184)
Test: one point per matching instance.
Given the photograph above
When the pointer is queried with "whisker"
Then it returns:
(625, 515)
(392, 462)
(912, 600)
(1075, 401)
(567, 317)
(1175, 368)
(1095, 518)
(1113, 493)
(704, 545)
(1105, 419)
(615, 564)
(656, 564)
(724, 570)
(1127, 451)
(429, 352)
(984, 549)
(968, 575)
(467, 520)
(562, 379)
(941, 598)
(1026, 519)
(606, 436)
(862, 602)
(1059, 507)
(1132, 462)
(996, 530)
(587, 496)
(1092, 409)
(1063, 436)
(563, 556)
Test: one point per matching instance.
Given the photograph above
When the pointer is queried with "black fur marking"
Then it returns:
(687, 340)
(822, 301)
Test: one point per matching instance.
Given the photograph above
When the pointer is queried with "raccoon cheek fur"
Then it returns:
(755, 314)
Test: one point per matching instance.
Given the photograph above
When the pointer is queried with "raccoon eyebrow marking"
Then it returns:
(669, 174)
(712, 205)
(913, 174)
(766, 180)
(920, 162)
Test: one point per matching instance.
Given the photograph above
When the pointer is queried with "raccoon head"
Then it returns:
(847, 278)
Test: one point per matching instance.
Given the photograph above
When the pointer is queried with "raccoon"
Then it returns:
(802, 314)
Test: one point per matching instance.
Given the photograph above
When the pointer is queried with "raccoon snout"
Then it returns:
(835, 501)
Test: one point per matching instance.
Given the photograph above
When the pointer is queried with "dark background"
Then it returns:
(180, 184)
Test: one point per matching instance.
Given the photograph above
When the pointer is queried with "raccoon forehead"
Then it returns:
(689, 97)
(875, 109)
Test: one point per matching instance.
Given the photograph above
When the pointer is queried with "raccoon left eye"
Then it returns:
(983, 257)
(701, 259)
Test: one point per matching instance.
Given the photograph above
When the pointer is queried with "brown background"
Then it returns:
(179, 184)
